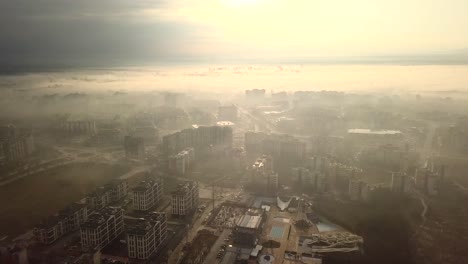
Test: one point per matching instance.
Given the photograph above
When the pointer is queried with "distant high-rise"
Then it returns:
(134, 147)
(181, 162)
(15, 145)
(199, 138)
(228, 113)
(278, 146)
(401, 182)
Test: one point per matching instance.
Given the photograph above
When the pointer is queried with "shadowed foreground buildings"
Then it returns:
(147, 194)
(101, 228)
(104, 195)
(145, 236)
(66, 221)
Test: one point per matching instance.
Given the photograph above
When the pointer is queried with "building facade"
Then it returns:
(200, 138)
(134, 147)
(401, 182)
(67, 220)
(181, 162)
(147, 194)
(101, 228)
(146, 236)
(185, 199)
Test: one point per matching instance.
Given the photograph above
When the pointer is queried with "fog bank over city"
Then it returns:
(233, 132)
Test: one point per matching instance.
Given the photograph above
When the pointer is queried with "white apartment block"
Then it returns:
(146, 236)
(185, 199)
(101, 228)
(147, 194)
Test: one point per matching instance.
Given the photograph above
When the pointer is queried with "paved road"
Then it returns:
(211, 258)
(176, 255)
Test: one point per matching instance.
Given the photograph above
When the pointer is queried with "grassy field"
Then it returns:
(26, 202)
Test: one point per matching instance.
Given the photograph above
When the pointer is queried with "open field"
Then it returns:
(27, 201)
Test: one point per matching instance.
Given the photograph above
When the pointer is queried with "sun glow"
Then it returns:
(239, 3)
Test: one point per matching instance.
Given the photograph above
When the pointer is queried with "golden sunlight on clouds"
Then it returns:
(311, 27)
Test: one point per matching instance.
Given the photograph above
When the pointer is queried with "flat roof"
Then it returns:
(225, 123)
(373, 132)
(249, 221)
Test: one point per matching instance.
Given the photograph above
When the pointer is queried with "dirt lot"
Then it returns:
(25, 202)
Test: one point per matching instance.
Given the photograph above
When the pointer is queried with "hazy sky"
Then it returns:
(115, 31)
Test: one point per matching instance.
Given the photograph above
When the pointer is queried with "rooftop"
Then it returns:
(98, 218)
(249, 221)
(142, 225)
(373, 132)
(225, 123)
(184, 188)
(72, 208)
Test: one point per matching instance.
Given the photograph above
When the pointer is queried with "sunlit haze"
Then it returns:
(233, 131)
(60, 32)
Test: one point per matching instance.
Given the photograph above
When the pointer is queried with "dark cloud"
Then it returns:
(73, 9)
(86, 32)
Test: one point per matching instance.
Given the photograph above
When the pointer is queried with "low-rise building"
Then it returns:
(248, 228)
(67, 220)
(185, 199)
(145, 236)
(147, 194)
(104, 195)
(49, 230)
(73, 216)
(101, 228)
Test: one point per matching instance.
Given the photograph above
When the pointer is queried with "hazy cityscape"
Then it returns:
(213, 132)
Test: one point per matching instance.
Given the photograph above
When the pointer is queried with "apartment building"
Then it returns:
(199, 138)
(15, 145)
(134, 147)
(280, 147)
(185, 199)
(67, 220)
(146, 236)
(401, 182)
(358, 190)
(49, 230)
(104, 195)
(73, 216)
(181, 162)
(101, 228)
(147, 194)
